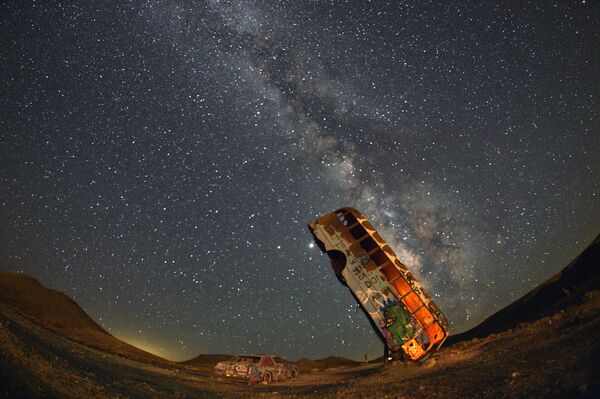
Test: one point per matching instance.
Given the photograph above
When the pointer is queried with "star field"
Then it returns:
(160, 160)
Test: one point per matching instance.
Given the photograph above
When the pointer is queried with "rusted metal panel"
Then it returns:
(403, 315)
(256, 368)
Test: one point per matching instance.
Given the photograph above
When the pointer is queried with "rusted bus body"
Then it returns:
(403, 315)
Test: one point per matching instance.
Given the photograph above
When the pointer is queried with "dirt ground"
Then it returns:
(557, 356)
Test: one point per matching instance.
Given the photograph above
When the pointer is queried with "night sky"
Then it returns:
(160, 160)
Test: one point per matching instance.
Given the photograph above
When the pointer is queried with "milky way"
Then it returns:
(160, 160)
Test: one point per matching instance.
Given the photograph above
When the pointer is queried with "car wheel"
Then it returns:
(338, 263)
(267, 378)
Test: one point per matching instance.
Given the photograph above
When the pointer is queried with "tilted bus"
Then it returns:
(406, 319)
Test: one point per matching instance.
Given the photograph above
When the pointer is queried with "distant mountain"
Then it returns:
(207, 361)
(330, 362)
(561, 290)
(59, 313)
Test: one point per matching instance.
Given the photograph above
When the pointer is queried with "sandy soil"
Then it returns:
(557, 356)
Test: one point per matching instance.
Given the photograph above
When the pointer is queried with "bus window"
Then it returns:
(368, 244)
(390, 272)
(379, 257)
(424, 316)
(358, 232)
(412, 301)
(350, 219)
(401, 286)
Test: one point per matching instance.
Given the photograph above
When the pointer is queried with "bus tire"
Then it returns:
(338, 263)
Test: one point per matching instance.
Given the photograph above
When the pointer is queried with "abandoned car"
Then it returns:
(257, 368)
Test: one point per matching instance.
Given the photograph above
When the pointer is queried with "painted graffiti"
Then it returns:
(400, 326)
(378, 280)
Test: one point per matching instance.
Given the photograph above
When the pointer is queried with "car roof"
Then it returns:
(250, 355)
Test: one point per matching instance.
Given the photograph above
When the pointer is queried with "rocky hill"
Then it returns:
(59, 313)
(564, 289)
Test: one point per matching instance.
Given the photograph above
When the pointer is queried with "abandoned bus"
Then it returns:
(406, 319)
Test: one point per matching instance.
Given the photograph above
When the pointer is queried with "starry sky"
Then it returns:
(160, 159)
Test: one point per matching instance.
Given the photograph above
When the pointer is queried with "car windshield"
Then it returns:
(246, 359)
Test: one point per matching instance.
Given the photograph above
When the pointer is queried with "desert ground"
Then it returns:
(544, 345)
(556, 356)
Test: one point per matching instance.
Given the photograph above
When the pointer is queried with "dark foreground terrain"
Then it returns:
(557, 356)
(547, 344)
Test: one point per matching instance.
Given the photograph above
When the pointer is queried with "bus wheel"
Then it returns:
(338, 263)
